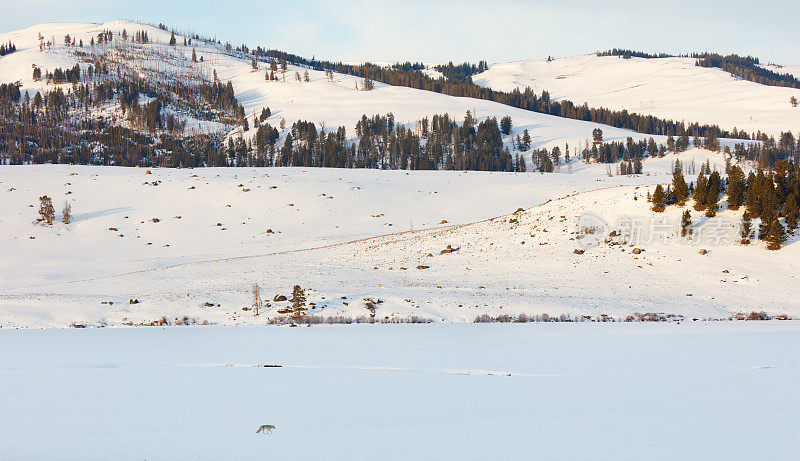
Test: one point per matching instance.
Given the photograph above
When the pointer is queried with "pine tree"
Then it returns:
(686, 224)
(776, 235)
(752, 193)
(768, 216)
(505, 125)
(679, 186)
(671, 143)
(746, 228)
(735, 188)
(194, 55)
(172, 40)
(712, 194)
(659, 199)
(790, 210)
(526, 140)
(700, 192)
(298, 302)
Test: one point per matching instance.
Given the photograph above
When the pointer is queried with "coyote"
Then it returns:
(265, 428)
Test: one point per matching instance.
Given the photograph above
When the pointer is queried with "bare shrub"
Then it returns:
(66, 213)
(757, 316)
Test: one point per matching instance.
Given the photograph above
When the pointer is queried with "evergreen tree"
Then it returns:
(746, 228)
(736, 187)
(686, 224)
(700, 192)
(790, 210)
(712, 194)
(526, 140)
(298, 301)
(172, 39)
(679, 186)
(505, 125)
(776, 235)
(194, 55)
(659, 199)
(752, 193)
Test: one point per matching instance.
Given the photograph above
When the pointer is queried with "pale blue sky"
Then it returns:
(435, 31)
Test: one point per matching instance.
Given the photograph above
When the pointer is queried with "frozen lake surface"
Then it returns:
(725, 390)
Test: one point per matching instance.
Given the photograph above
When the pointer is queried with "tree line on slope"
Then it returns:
(524, 99)
(772, 196)
(744, 67)
(748, 68)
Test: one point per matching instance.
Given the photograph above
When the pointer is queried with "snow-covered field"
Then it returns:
(362, 234)
(534, 391)
(672, 88)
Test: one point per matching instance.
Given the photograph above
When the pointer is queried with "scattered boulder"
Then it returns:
(637, 251)
(155, 220)
(444, 221)
(703, 251)
(422, 266)
(279, 298)
(449, 249)
(269, 231)
(148, 172)
(578, 251)
(113, 229)
(133, 301)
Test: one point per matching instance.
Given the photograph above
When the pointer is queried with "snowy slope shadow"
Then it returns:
(98, 214)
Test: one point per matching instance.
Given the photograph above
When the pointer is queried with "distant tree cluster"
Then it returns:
(748, 68)
(7, 48)
(59, 75)
(408, 66)
(461, 73)
(627, 54)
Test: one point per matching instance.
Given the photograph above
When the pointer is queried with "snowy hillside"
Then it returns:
(348, 233)
(327, 103)
(672, 88)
